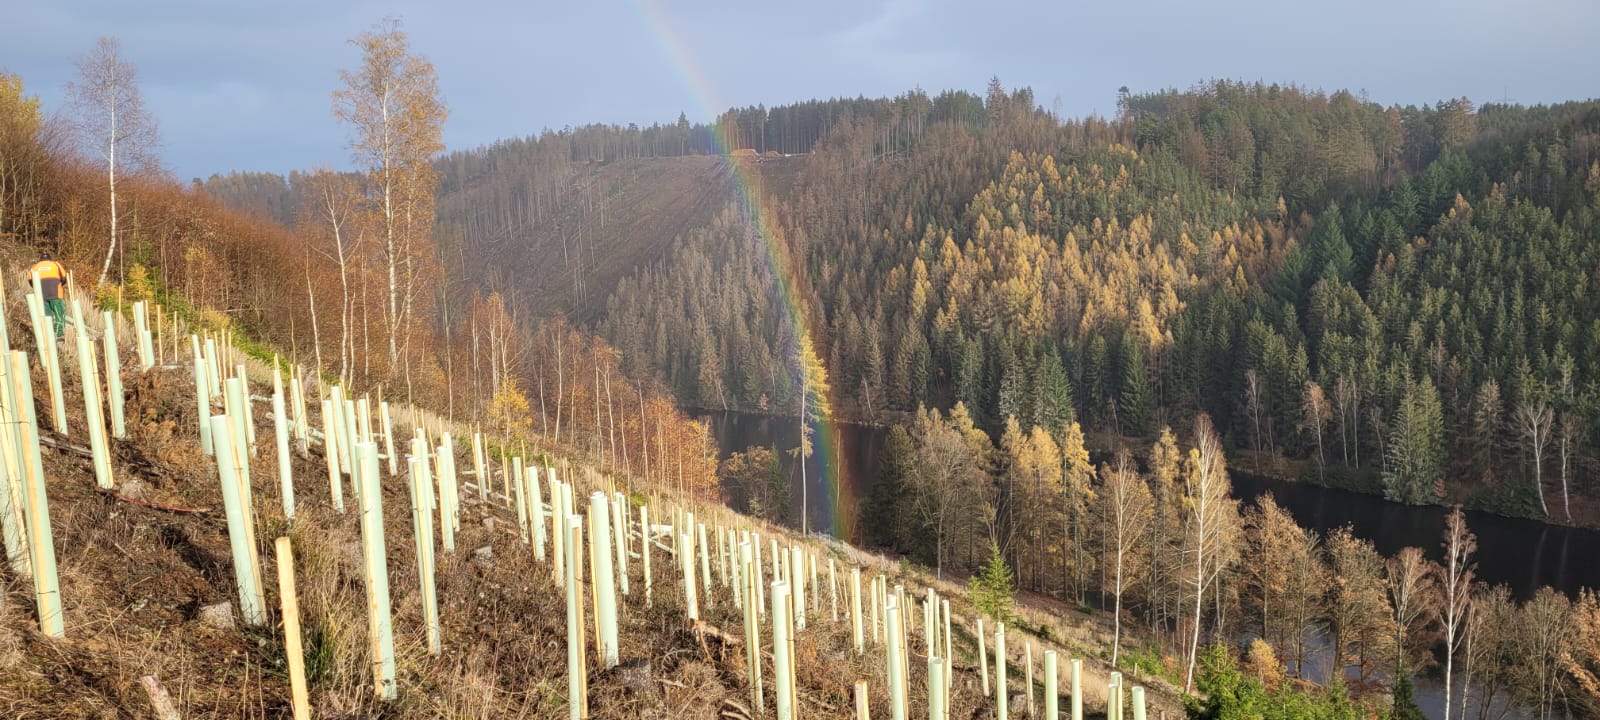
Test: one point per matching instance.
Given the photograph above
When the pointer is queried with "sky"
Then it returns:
(245, 85)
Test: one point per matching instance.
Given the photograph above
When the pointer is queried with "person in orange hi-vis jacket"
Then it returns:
(53, 289)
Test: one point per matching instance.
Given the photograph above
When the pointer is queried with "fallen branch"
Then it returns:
(59, 444)
(159, 698)
(154, 506)
(703, 630)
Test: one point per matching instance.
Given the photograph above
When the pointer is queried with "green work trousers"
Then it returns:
(57, 310)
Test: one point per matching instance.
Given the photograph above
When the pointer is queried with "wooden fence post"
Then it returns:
(577, 697)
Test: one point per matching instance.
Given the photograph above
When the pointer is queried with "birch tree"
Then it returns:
(111, 122)
(1455, 576)
(1533, 419)
(338, 211)
(1317, 413)
(392, 105)
(1209, 512)
(1125, 513)
(1411, 596)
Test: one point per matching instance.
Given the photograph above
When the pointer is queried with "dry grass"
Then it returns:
(133, 579)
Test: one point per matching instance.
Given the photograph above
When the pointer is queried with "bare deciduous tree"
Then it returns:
(111, 121)
(1455, 591)
(1534, 418)
(1411, 595)
(1125, 511)
(1208, 525)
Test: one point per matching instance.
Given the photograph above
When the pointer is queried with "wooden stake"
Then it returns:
(855, 610)
(577, 698)
(292, 649)
(752, 628)
(862, 713)
(1027, 653)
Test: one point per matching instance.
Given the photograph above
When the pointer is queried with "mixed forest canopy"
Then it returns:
(1389, 298)
(1394, 299)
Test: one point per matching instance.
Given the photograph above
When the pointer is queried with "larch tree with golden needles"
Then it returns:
(813, 405)
(392, 105)
(109, 116)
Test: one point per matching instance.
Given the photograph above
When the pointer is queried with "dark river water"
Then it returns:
(1521, 554)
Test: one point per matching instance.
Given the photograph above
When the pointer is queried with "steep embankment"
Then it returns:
(143, 566)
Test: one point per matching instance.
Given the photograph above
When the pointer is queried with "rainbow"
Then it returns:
(839, 496)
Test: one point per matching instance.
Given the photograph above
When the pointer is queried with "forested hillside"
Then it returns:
(1389, 298)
